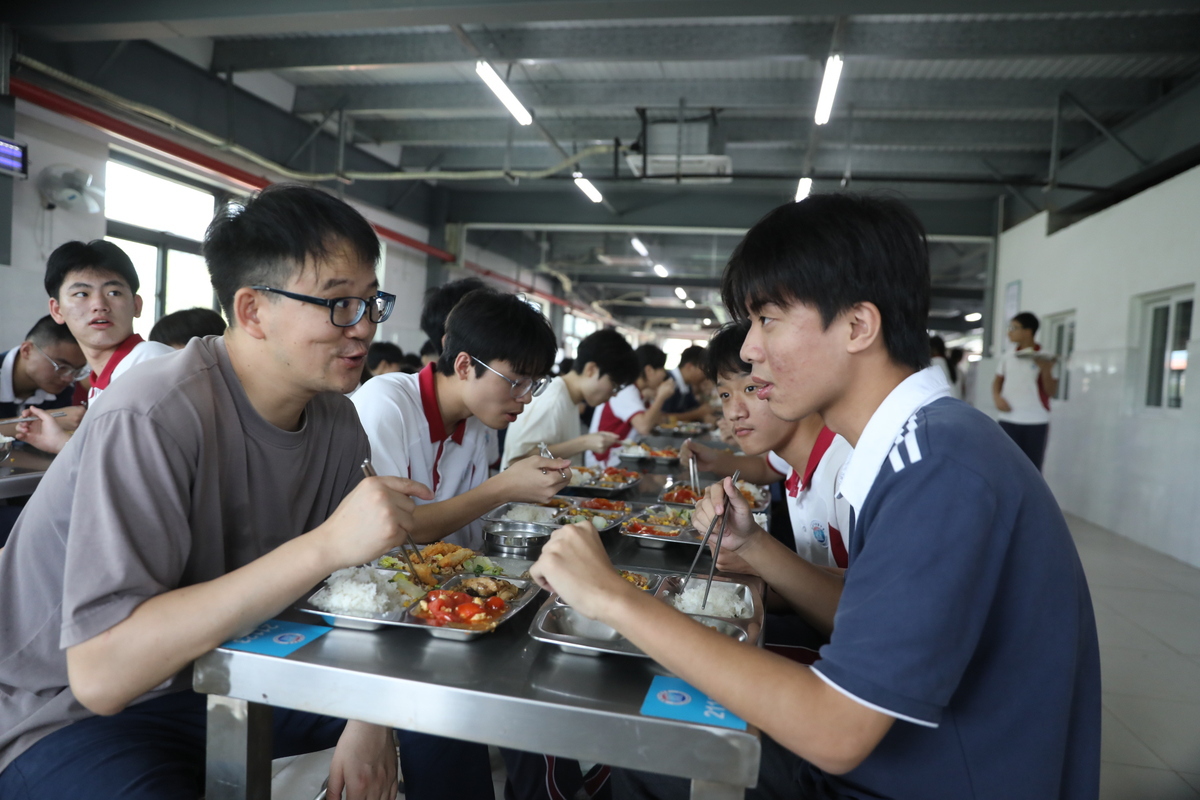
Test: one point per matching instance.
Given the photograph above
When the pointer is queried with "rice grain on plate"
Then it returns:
(724, 600)
(360, 590)
(530, 514)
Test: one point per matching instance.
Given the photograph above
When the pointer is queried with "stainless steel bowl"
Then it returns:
(6, 448)
(515, 537)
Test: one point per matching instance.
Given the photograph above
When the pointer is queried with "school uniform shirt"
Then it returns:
(133, 350)
(551, 417)
(408, 438)
(965, 613)
(174, 479)
(1023, 388)
(684, 399)
(616, 416)
(820, 519)
(10, 406)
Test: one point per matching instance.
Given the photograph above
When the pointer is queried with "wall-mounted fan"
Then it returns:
(65, 186)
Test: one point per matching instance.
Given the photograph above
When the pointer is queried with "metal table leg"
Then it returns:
(238, 763)
(710, 790)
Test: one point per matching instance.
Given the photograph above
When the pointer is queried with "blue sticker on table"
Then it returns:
(672, 698)
(277, 638)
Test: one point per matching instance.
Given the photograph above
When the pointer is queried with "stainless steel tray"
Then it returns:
(406, 619)
(647, 457)
(762, 505)
(750, 589)
(498, 514)
(617, 517)
(606, 489)
(683, 429)
(653, 579)
(686, 534)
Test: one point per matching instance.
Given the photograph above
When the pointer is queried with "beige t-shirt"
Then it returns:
(173, 479)
(551, 417)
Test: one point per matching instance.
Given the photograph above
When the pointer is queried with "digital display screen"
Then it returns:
(14, 158)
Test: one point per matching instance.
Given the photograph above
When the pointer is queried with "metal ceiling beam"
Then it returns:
(970, 135)
(81, 20)
(662, 312)
(1101, 95)
(863, 38)
(714, 282)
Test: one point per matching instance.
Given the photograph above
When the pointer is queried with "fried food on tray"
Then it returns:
(603, 504)
(618, 475)
(683, 494)
(637, 526)
(489, 587)
(636, 578)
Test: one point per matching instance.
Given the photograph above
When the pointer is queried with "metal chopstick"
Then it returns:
(704, 543)
(694, 472)
(15, 420)
(717, 551)
(545, 453)
(411, 554)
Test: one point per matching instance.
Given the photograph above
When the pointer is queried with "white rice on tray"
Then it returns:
(530, 514)
(360, 590)
(723, 600)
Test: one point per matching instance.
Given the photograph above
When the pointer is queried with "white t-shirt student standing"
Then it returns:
(820, 519)
(551, 417)
(408, 438)
(1023, 388)
(616, 416)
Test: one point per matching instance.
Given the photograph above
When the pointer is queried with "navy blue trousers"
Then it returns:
(1030, 438)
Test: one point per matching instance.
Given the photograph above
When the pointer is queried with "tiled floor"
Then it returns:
(1148, 614)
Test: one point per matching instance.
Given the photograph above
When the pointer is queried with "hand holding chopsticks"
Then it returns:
(410, 551)
(704, 543)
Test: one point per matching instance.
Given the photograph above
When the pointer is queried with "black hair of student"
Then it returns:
(491, 325)
(651, 356)
(953, 359)
(831, 252)
(411, 364)
(612, 354)
(277, 233)
(380, 352)
(693, 355)
(937, 346)
(1027, 320)
(183, 326)
(566, 365)
(439, 302)
(46, 332)
(96, 254)
(724, 352)
(430, 349)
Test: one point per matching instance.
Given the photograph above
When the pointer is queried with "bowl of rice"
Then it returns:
(517, 538)
(365, 592)
(728, 600)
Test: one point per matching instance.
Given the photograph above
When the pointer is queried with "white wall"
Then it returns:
(36, 232)
(1110, 459)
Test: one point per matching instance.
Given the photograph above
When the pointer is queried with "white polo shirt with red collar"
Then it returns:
(820, 519)
(616, 416)
(408, 438)
(133, 350)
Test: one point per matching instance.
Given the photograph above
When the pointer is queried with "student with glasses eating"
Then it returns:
(43, 371)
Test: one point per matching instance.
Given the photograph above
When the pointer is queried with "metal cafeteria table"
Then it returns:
(504, 689)
(22, 472)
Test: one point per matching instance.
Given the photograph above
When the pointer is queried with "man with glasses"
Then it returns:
(42, 371)
(204, 494)
(93, 290)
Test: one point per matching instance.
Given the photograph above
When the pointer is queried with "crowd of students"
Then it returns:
(207, 491)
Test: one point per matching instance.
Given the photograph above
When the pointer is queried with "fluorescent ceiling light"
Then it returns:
(680, 293)
(973, 317)
(484, 70)
(659, 270)
(690, 304)
(586, 187)
(803, 189)
(707, 321)
(641, 248)
(829, 84)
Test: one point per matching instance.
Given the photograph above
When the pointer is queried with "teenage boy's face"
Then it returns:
(653, 377)
(489, 397)
(597, 389)
(798, 363)
(38, 366)
(310, 349)
(1018, 333)
(753, 425)
(97, 306)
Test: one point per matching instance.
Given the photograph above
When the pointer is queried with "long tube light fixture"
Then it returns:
(587, 188)
(680, 293)
(660, 270)
(642, 250)
(829, 84)
(494, 82)
(803, 189)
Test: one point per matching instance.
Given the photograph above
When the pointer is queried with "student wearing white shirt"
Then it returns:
(93, 289)
(626, 414)
(605, 362)
(1022, 389)
(689, 403)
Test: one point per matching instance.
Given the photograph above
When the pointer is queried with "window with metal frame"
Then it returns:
(1061, 342)
(1166, 331)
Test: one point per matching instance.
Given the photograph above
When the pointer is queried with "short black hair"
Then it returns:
(96, 254)
(183, 326)
(937, 346)
(47, 332)
(649, 355)
(725, 351)
(411, 363)
(493, 325)
(439, 302)
(832, 251)
(430, 349)
(693, 355)
(380, 352)
(271, 236)
(1027, 320)
(611, 353)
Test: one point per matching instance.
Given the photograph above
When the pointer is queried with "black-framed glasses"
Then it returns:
(65, 370)
(525, 386)
(345, 312)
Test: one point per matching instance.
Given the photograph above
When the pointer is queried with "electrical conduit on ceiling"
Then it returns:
(38, 95)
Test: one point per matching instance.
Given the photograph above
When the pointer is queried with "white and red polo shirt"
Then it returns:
(408, 438)
(133, 350)
(820, 520)
(616, 416)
